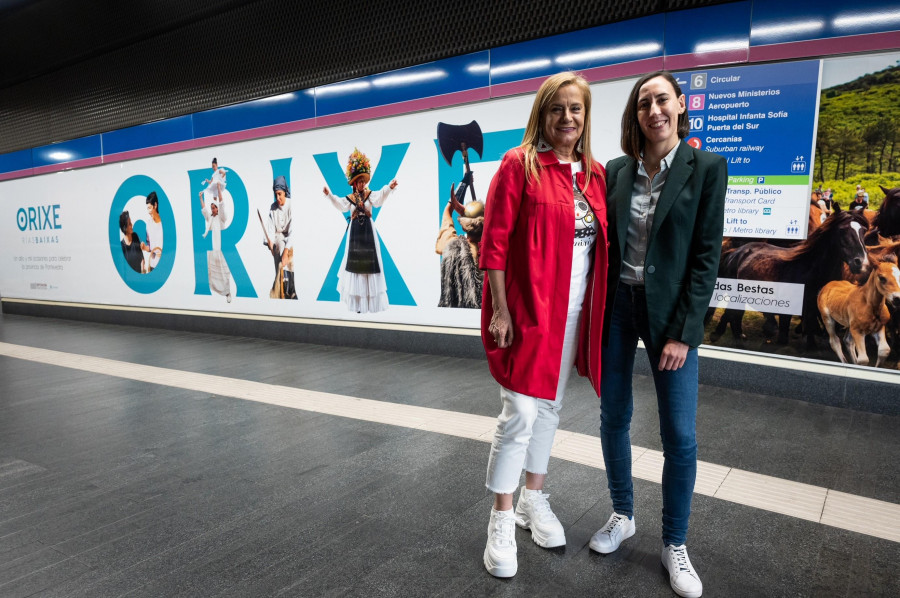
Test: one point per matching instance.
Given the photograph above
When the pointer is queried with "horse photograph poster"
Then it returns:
(793, 297)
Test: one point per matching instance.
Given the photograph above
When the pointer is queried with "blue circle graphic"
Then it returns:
(152, 281)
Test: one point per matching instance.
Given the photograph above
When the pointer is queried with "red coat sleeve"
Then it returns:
(501, 211)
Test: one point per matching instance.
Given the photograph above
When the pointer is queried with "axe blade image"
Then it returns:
(453, 138)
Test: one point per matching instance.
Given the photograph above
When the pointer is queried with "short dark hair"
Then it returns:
(123, 221)
(152, 199)
(632, 136)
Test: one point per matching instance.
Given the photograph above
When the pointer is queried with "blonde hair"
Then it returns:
(545, 94)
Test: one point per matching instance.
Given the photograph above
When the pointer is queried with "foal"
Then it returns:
(862, 310)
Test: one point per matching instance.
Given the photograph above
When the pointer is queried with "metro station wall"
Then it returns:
(61, 241)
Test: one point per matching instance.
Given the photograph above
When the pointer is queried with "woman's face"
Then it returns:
(359, 185)
(280, 197)
(563, 118)
(658, 108)
(151, 209)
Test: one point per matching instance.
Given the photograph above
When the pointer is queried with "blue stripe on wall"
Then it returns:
(461, 73)
(161, 132)
(778, 22)
(13, 161)
(725, 27)
(67, 151)
(589, 48)
(275, 110)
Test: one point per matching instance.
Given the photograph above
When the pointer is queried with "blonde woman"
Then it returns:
(544, 250)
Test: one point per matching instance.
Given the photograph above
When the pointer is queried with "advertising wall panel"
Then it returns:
(62, 239)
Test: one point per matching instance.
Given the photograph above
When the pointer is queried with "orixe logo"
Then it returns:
(38, 218)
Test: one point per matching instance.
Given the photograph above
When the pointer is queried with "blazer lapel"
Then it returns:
(682, 168)
(624, 188)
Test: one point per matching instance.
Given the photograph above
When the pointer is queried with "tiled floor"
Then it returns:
(153, 463)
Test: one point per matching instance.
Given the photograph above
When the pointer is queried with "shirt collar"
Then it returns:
(664, 164)
(549, 159)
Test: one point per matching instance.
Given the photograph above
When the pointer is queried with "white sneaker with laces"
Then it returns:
(500, 552)
(610, 536)
(682, 577)
(533, 512)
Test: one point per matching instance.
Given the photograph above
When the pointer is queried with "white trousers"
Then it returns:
(526, 425)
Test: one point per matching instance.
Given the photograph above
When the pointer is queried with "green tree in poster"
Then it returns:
(859, 126)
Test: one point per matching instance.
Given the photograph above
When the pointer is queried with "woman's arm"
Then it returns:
(377, 198)
(501, 327)
(504, 199)
(686, 324)
(341, 203)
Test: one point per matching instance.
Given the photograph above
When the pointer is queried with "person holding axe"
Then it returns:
(542, 309)
(461, 280)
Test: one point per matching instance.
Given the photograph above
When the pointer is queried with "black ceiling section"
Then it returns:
(73, 68)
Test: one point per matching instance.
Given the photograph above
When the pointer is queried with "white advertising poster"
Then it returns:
(62, 239)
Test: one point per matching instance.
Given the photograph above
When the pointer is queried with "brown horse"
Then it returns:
(889, 247)
(886, 246)
(887, 220)
(816, 217)
(813, 263)
(862, 310)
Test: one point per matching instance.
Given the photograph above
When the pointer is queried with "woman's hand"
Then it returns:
(393, 184)
(501, 328)
(326, 191)
(673, 356)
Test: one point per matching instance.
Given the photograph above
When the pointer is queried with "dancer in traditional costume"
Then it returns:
(279, 240)
(219, 274)
(215, 185)
(361, 280)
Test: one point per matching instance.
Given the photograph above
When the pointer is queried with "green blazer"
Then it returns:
(684, 246)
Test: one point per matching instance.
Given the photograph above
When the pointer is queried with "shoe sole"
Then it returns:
(551, 542)
(498, 570)
(683, 593)
(680, 592)
(610, 551)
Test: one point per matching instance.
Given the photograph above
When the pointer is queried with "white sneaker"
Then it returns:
(500, 552)
(610, 536)
(682, 577)
(533, 512)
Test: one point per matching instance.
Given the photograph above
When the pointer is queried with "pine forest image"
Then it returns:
(858, 141)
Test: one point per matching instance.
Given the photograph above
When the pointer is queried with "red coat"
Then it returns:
(529, 231)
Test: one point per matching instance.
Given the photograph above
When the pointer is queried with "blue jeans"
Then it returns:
(676, 397)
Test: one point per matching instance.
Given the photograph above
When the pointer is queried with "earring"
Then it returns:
(542, 145)
(580, 147)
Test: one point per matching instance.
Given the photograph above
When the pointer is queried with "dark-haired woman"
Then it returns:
(666, 211)
(154, 240)
(131, 243)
